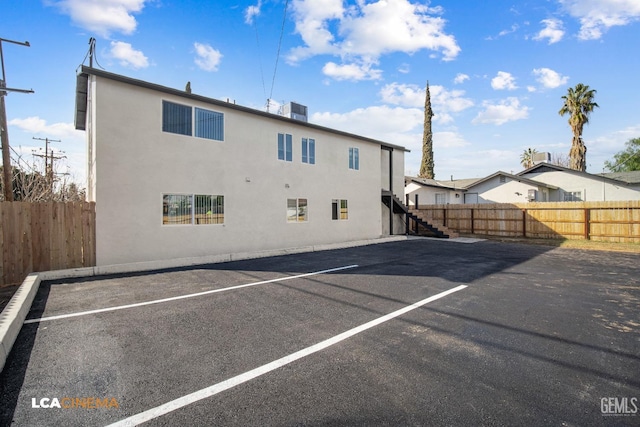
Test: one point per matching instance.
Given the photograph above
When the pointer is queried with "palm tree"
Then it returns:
(578, 103)
(526, 158)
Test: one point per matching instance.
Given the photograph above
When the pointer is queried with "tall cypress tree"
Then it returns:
(426, 168)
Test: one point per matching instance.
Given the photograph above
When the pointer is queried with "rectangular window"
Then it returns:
(339, 209)
(176, 118)
(354, 158)
(441, 198)
(209, 124)
(285, 147)
(208, 209)
(573, 196)
(309, 151)
(176, 209)
(192, 209)
(296, 210)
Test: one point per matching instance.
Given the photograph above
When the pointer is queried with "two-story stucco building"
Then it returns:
(179, 175)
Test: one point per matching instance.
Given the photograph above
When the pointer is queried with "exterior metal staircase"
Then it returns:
(414, 224)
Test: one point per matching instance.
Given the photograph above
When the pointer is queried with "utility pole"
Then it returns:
(4, 137)
(48, 161)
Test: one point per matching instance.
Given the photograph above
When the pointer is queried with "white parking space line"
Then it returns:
(179, 297)
(204, 393)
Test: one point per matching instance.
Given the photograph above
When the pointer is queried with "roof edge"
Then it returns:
(153, 86)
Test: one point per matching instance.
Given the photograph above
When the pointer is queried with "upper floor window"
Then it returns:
(177, 118)
(309, 151)
(285, 147)
(209, 124)
(354, 158)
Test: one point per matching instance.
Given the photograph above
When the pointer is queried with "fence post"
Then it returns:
(587, 223)
(472, 230)
(416, 201)
(444, 217)
(524, 222)
(406, 199)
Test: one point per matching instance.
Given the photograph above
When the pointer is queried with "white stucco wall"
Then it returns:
(136, 163)
(509, 191)
(594, 189)
(427, 195)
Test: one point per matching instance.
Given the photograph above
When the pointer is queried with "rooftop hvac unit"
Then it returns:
(541, 158)
(295, 111)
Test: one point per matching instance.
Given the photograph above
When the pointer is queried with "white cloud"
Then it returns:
(380, 122)
(354, 33)
(251, 12)
(103, 16)
(553, 31)
(503, 80)
(507, 110)
(443, 102)
(208, 58)
(549, 79)
(460, 78)
(404, 68)
(449, 140)
(351, 71)
(37, 125)
(597, 16)
(128, 56)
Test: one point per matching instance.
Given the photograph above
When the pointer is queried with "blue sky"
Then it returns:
(496, 70)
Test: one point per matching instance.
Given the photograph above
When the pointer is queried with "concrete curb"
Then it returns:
(14, 314)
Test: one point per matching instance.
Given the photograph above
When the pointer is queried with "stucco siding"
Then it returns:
(593, 189)
(136, 163)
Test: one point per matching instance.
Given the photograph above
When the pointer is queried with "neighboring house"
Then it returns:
(574, 185)
(540, 183)
(500, 187)
(179, 175)
(424, 191)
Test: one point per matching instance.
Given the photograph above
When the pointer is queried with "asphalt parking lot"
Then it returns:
(419, 332)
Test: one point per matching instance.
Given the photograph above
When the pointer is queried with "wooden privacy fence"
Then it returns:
(601, 221)
(45, 236)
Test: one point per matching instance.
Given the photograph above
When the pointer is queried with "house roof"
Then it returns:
(546, 167)
(466, 184)
(513, 177)
(632, 177)
(86, 71)
(457, 185)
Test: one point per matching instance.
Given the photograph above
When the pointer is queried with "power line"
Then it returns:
(275, 68)
(48, 161)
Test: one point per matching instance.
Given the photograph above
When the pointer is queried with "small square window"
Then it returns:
(297, 210)
(339, 209)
